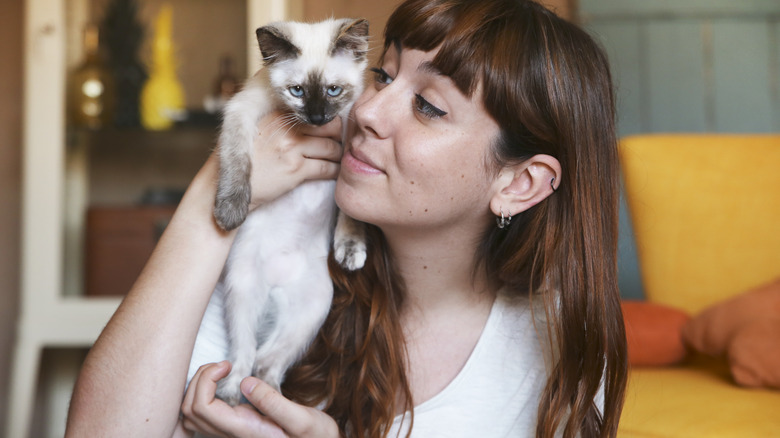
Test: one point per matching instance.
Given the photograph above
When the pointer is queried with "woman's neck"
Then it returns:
(438, 271)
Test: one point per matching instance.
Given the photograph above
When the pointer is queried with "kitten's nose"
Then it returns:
(317, 119)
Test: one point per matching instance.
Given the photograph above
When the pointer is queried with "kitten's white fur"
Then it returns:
(275, 290)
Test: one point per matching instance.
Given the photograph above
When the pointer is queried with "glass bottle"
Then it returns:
(91, 86)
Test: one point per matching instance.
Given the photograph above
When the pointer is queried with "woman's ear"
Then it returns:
(521, 186)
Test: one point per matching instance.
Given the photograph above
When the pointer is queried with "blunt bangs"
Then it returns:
(464, 34)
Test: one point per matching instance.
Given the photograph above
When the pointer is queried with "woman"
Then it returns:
(484, 160)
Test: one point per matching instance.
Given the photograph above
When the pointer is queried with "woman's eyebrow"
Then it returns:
(429, 68)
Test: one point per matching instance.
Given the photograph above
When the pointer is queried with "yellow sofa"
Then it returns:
(706, 215)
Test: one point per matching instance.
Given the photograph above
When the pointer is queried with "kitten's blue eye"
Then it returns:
(427, 109)
(381, 76)
(334, 90)
(296, 90)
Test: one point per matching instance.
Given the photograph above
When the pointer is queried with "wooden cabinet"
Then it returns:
(119, 242)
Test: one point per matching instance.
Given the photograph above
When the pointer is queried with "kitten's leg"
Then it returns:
(245, 298)
(235, 166)
(349, 243)
(302, 308)
(349, 237)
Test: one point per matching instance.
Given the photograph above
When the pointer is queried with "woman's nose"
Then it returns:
(374, 112)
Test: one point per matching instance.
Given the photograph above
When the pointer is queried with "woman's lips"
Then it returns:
(355, 161)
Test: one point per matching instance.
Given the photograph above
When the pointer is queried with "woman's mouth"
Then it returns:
(357, 162)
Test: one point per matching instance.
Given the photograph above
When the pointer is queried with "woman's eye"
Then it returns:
(381, 76)
(427, 109)
(295, 90)
(334, 90)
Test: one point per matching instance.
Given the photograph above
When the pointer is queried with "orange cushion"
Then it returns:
(746, 328)
(754, 354)
(711, 331)
(653, 332)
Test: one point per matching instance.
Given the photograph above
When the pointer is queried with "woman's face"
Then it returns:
(417, 150)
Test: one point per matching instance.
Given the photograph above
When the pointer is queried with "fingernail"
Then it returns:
(248, 385)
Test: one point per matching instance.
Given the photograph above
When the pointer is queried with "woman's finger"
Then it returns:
(206, 387)
(189, 395)
(295, 419)
(192, 416)
(320, 169)
(320, 148)
(330, 130)
(271, 403)
(186, 404)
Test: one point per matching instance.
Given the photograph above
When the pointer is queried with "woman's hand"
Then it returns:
(277, 416)
(284, 157)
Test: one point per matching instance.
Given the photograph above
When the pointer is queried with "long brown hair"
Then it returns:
(547, 84)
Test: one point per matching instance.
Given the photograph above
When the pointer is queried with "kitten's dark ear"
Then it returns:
(352, 38)
(275, 45)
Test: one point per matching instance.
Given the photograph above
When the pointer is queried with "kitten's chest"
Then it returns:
(312, 197)
(306, 212)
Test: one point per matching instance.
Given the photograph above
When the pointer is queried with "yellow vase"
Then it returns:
(162, 97)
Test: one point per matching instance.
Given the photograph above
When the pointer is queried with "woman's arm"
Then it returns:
(132, 381)
(133, 378)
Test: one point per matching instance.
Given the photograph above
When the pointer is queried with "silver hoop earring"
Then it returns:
(503, 221)
(552, 184)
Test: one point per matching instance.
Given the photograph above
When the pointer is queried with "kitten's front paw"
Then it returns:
(350, 252)
(229, 389)
(230, 211)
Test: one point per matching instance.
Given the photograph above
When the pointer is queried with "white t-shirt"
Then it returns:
(496, 394)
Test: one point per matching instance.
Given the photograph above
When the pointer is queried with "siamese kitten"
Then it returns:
(275, 289)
